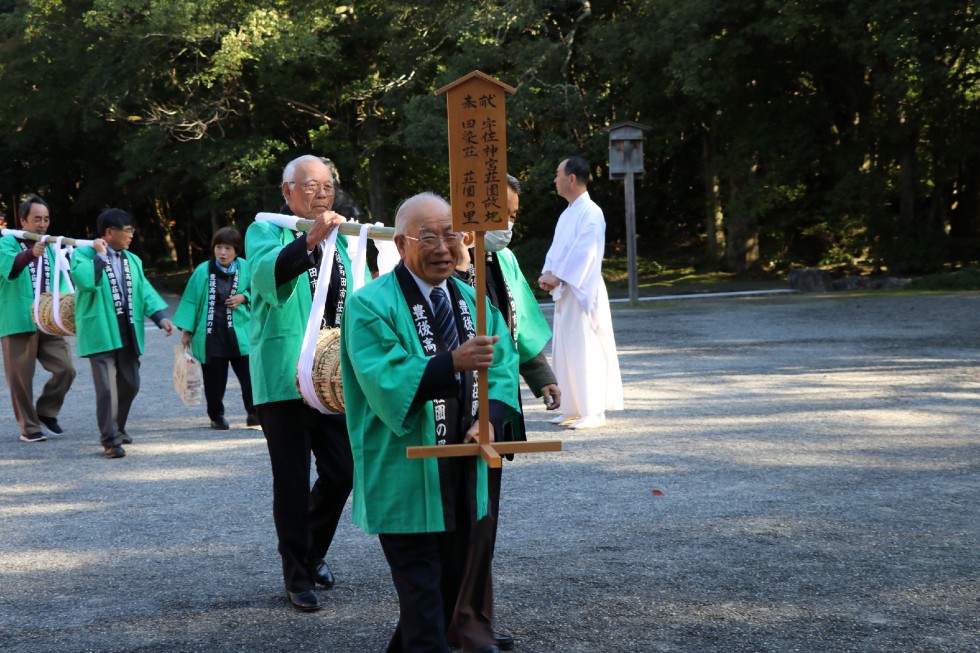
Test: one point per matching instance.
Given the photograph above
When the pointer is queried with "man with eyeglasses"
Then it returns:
(112, 298)
(409, 351)
(285, 265)
(509, 292)
(23, 264)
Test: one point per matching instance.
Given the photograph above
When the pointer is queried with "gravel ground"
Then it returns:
(792, 473)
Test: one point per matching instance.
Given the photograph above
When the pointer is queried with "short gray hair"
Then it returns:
(407, 210)
(290, 170)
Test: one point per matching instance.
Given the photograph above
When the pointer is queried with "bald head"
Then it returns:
(422, 225)
(415, 207)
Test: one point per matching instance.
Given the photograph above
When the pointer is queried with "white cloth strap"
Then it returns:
(60, 270)
(357, 248)
(388, 255)
(20, 234)
(38, 283)
(304, 366)
(278, 219)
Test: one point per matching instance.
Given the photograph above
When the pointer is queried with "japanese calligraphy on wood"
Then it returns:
(478, 195)
(477, 152)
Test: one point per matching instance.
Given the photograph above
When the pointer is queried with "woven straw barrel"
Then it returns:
(45, 314)
(326, 370)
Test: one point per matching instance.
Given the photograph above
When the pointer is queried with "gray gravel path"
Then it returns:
(792, 473)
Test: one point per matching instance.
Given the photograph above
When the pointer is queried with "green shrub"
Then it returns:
(531, 254)
(965, 279)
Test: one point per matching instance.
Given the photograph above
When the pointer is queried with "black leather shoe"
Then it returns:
(504, 641)
(322, 574)
(220, 424)
(125, 437)
(252, 420)
(306, 601)
(51, 424)
(114, 452)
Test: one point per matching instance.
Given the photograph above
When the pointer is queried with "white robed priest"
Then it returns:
(583, 348)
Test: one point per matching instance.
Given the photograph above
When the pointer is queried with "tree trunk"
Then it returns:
(964, 214)
(162, 215)
(378, 189)
(713, 216)
(906, 189)
(377, 160)
(742, 250)
(742, 242)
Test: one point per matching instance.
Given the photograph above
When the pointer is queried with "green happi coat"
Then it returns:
(17, 294)
(279, 313)
(533, 332)
(192, 312)
(382, 362)
(96, 324)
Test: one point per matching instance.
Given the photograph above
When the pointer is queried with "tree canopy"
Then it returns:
(782, 133)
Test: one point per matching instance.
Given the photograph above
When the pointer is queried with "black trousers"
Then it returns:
(215, 376)
(416, 562)
(306, 519)
(116, 377)
(444, 585)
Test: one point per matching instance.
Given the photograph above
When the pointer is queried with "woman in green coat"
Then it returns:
(214, 316)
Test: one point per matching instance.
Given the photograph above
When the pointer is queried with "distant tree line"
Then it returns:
(826, 132)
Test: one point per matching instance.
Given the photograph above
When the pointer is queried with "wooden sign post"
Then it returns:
(478, 196)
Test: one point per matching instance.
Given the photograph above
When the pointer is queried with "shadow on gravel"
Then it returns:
(790, 474)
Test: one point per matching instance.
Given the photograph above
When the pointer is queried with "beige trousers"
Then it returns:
(21, 353)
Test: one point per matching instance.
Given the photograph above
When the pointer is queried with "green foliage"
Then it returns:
(531, 254)
(615, 269)
(827, 132)
(965, 279)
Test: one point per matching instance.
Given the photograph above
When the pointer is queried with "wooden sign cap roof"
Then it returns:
(483, 76)
(627, 123)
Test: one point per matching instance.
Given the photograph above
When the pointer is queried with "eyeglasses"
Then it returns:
(431, 241)
(314, 187)
(129, 230)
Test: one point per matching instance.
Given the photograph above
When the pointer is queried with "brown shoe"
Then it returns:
(114, 452)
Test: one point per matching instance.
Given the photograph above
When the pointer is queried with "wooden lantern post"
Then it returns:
(478, 196)
(626, 163)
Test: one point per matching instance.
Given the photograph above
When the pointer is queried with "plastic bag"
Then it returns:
(188, 377)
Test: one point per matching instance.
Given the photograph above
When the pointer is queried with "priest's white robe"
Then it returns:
(583, 347)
